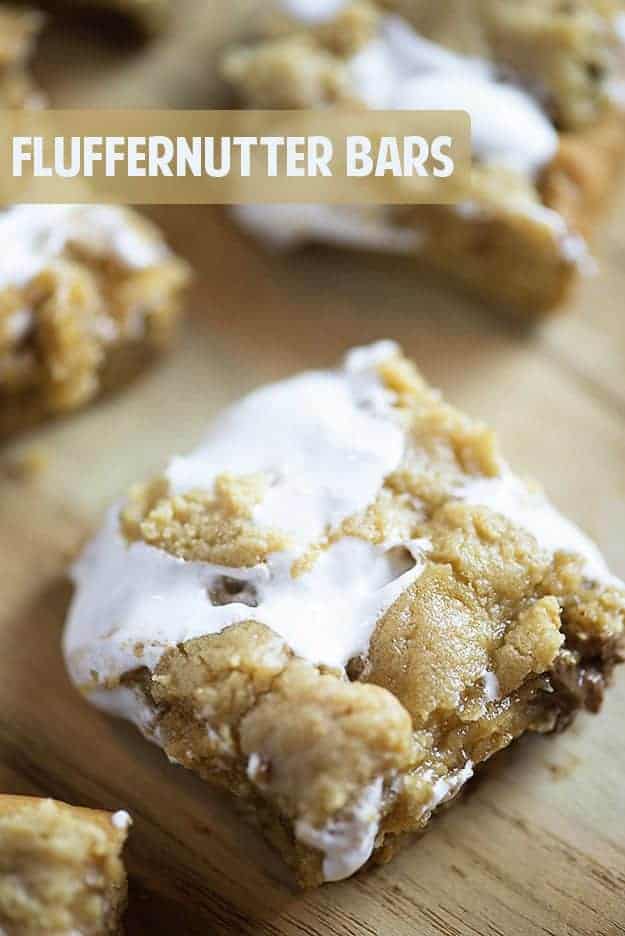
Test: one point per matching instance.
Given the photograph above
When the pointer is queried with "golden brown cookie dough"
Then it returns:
(89, 295)
(61, 870)
(216, 527)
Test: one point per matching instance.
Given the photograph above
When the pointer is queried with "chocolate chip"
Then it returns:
(226, 590)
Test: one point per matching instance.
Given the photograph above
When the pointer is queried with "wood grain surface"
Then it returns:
(538, 845)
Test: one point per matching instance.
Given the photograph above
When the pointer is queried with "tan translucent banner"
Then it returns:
(231, 157)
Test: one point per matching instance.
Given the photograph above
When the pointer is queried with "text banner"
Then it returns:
(329, 156)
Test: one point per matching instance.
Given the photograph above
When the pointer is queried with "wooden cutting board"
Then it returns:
(539, 845)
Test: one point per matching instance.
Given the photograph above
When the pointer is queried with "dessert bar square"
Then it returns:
(339, 607)
(88, 296)
(60, 868)
(543, 82)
